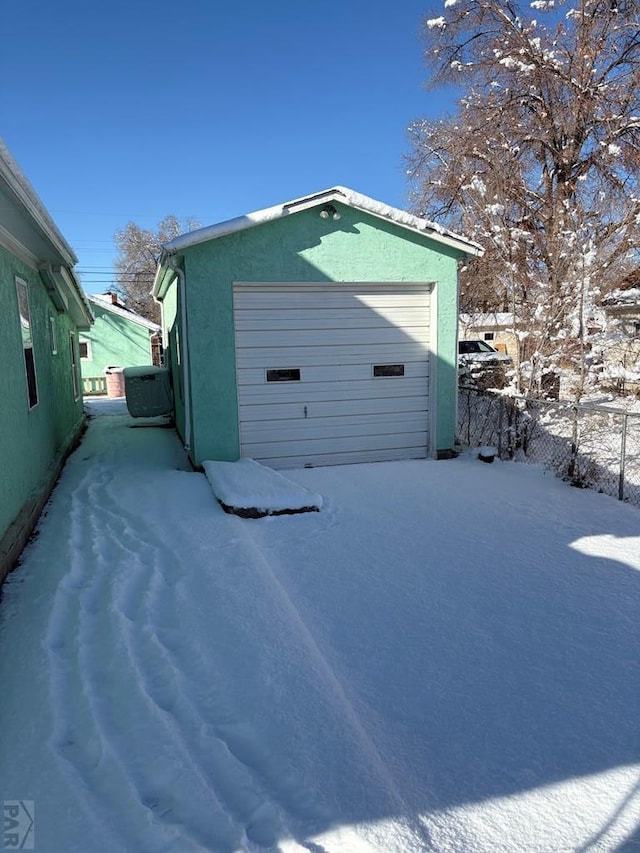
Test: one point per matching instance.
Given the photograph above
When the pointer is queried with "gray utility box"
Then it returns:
(148, 391)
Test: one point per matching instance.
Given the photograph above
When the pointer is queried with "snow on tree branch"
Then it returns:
(540, 161)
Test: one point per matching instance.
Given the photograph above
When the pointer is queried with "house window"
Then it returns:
(27, 342)
(85, 350)
(489, 336)
(53, 335)
(75, 371)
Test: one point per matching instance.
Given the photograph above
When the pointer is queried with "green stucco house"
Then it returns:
(118, 338)
(320, 331)
(42, 313)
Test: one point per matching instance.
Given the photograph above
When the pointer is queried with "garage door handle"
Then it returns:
(305, 411)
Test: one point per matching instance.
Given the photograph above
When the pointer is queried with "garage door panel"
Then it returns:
(349, 318)
(344, 444)
(297, 430)
(273, 357)
(285, 392)
(331, 408)
(373, 336)
(248, 377)
(329, 299)
(312, 460)
(284, 411)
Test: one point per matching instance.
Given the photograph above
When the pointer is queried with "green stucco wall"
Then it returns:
(32, 441)
(305, 248)
(172, 336)
(115, 342)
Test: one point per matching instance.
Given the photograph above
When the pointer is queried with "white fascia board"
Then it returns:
(57, 293)
(424, 227)
(66, 293)
(78, 296)
(27, 197)
(15, 247)
(222, 229)
(163, 277)
(342, 195)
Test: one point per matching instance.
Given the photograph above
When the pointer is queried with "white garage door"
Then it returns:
(332, 373)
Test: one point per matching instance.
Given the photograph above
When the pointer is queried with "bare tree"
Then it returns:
(540, 162)
(138, 253)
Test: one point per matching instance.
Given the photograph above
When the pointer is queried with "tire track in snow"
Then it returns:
(244, 773)
(161, 678)
(75, 737)
(95, 736)
(111, 598)
(181, 797)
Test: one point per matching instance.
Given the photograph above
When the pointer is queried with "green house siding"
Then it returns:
(171, 308)
(32, 441)
(115, 342)
(303, 248)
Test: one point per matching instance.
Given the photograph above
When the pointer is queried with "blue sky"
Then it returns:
(133, 110)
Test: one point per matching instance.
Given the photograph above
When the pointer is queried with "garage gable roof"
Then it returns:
(340, 194)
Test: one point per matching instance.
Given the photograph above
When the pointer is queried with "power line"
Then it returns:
(98, 271)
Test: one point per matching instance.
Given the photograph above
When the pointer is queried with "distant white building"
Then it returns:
(621, 356)
(496, 328)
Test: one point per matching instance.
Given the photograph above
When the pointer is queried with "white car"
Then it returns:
(477, 353)
(481, 366)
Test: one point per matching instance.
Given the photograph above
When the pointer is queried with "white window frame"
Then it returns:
(53, 334)
(75, 366)
(27, 341)
(89, 355)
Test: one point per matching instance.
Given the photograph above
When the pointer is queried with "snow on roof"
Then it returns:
(30, 200)
(104, 301)
(629, 296)
(492, 318)
(340, 194)
(26, 196)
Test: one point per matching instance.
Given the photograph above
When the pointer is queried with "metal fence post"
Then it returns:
(500, 415)
(623, 457)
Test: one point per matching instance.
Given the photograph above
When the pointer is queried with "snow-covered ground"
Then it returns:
(446, 657)
(542, 432)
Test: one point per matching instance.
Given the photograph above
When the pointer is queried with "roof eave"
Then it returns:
(163, 277)
(27, 197)
(342, 195)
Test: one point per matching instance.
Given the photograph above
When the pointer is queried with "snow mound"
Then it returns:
(248, 488)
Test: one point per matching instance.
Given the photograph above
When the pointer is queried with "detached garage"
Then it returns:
(317, 332)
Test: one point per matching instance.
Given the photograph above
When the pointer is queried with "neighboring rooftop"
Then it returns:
(110, 302)
(490, 318)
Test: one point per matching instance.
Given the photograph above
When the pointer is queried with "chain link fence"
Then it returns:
(589, 445)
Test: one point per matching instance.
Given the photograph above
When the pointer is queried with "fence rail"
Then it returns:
(94, 385)
(589, 445)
